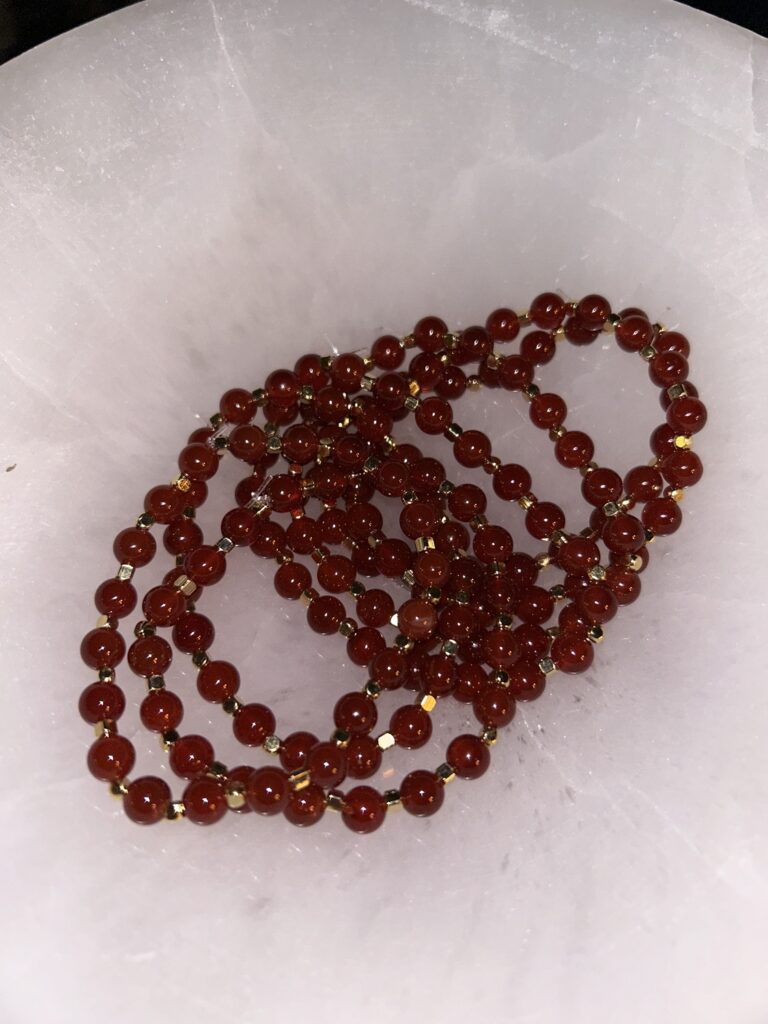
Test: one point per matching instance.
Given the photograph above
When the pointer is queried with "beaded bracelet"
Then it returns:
(474, 624)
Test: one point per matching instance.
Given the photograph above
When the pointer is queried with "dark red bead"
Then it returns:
(198, 462)
(492, 544)
(364, 809)
(417, 619)
(543, 519)
(164, 503)
(662, 515)
(375, 607)
(548, 411)
(687, 415)
(182, 535)
(325, 615)
(433, 415)
(472, 448)
(161, 711)
(355, 713)
(101, 702)
(282, 387)
(526, 680)
(515, 373)
(388, 669)
(163, 606)
(146, 800)
(291, 579)
(531, 639)
(672, 341)
(682, 468)
(252, 724)
(422, 793)
(365, 643)
(191, 756)
(468, 756)
(535, 605)
(115, 598)
(134, 547)
(305, 806)
(623, 533)
(205, 801)
(111, 758)
(218, 681)
(624, 583)
(601, 486)
(363, 757)
(294, 750)
(511, 481)
(597, 603)
(237, 405)
(580, 333)
(267, 790)
(593, 310)
(205, 565)
(538, 347)
(578, 554)
(102, 648)
(633, 333)
(387, 352)
(248, 443)
(193, 632)
(668, 368)
(643, 483)
(572, 653)
(547, 310)
(495, 707)
(574, 449)
(393, 557)
(503, 325)
(326, 763)
(411, 726)
(499, 648)
(429, 332)
(150, 656)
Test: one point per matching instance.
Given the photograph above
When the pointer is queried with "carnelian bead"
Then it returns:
(182, 535)
(472, 448)
(325, 615)
(526, 680)
(102, 648)
(515, 373)
(134, 547)
(101, 702)
(433, 415)
(110, 758)
(429, 332)
(164, 503)
(161, 711)
(291, 579)
(375, 607)
(511, 481)
(146, 800)
(198, 462)
(193, 632)
(633, 333)
(200, 436)
(531, 639)
(682, 468)
(535, 605)
(248, 443)
(668, 368)
(538, 347)
(492, 544)
(355, 713)
(597, 603)
(571, 620)
(374, 423)
(663, 440)
(634, 311)
(623, 533)
(593, 310)
(456, 622)
(418, 519)
(393, 557)
(452, 383)
(622, 559)
(191, 756)
(574, 449)
(150, 656)
(672, 341)
(305, 806)
(468, 756)
(363, 519)
(431, 569)
(267, 790)
(495, 707)
(572, 653)
(333, 525)
(284, 492)
(387, 352)
(547, 411)
(310, 371)
(388, 669)
(363, 757)
(196, 494)
(643, 483)
(303, 535)
(364, 809)
(439, 674)
(499, 648)
(364, 645)
(451, 537)
(426, 369)
(471, 679)
(163, 606)
(327, 764)
(115, 598)
(269, 538)
(662, 515)
(466, 501)
(282, 387)
(417, 619)
(237, 405)
(578, 554)
(687, 415)
(411, 726)
(336, 574)
(252, 723)
(503, 325)
(600, 486)
(205, 565)
(422, 793)
(547, 310)
(624, 584)
(579, 333)
(543, 519)
(218, 681)
(205, 801)
(294, 749)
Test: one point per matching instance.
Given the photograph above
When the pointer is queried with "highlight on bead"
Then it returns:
(445, 608)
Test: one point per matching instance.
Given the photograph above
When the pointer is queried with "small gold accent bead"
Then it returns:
(589, 468)
(610, 508)
(543, 560)
(681, 441)
(300, 779)
(216, 421)
(559, 333)
(547, 666)
(326, 362)
(185, 585)
(181, 483)
(341, 738)
(403, 643)
(371, 464)
(145, 521)
(372, 689)
(409, 497)
(492, 464)
(105, 728)
(524, 318)
(104, 620)
(235, 794)
(392, 799)
(428, 702)
(489, 737)
(504, 621)
(610, 324)
(225, 544)
(155, 683)
(596, 573)
(677, 494)
(496, 568)
(473, 381)
(272, 744)
(596, 635)
(367, 382)
(453, 433)
(659, 328)
(334, 801)
(306, 597)
(408, 579)
(650, 536)
(494, 360)
(531, 391)
(446, 487)
(553, 631)
(647, 353)
(559, 537)
(217, 770)
(356, 589)
(386, 741)
(677, 391)
(626, 503)
(220, 443)
(414, 387)
(284, 557)
(558, 592)
(450, 647)
(107, 675)
(389, 443)
(556, 433)
(445, 773)
(433, 594)
(231, 705)
(143, 628)
(348, 628)
(125, 571)
(500, 677)
(169, 738)
(175, 810)
(451, 340)
(119, 789)
(260, 396)
(461, 597)
(306, 394)
(407, 341)
(423, 543)
(527, 501)
(411, 403)
(635, 563)
(478, 522)
(274, 444)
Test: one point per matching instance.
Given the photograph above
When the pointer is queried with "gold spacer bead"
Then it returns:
(155, 683)
(231, 705)
(145, 521)
(450, 647)
(259, 395)
(446, 487)
(610, 324)
(558, 537)
(105, 728)
(473, 381)
(659, 328)
(403, 643)
(559, 333)
(306, 394)
(407, 341)
(306, 597)
(367, 382)
(647, 353)
(547, 666)
(105, 621)
(527, 501)
(596, 635)
(200, 659)
(107, 675)
(489, 737)
(371, 464)
(300, 779)
(650, 536)
(492, 464)
(556, 433)
(433, 594)
(185, 585)
(531, 391)
(493, 360)
(408, 579)
(392, 799)
(553, 631)
(181, 483)
(453, 433)
(478, 522)
(216, 421)
(334, 801)
(558, 592)
(677, 391)
(681, 441)
(524, 318)
(341, 738)
(596, 573)
(500, 677)
(409, 497)
(589, 468)
(356, 589)
(504, 621)
(428, 702)
(169, 738)
(610, 508)
(125, 571)
(235, 794)
(348, 628)
(274, 444)
(175, 810)
(423, 543)
(220, 443)
(412, 403)
(445, 773)
(372, 689)
(386, 741)
(635, 563)
(626, 503)
(677, 494)
(217, 770)
(451, 341)
(119, 789)
(389, 443)
(272, 744)
(142, 629)
(414, 387)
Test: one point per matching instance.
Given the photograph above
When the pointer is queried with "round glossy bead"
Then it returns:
(600, 486)
(393, 557)
(325, 615)
(503, 325)
(150, 656)
(355, 713)
(515, 373)
(418, 519)
(547, 411)
(163, 606)
(682, 468)
(364, 809)
(472, 448)
(574, 449)
(252, 723)
(633, 333)
(417, 619)
(411, 726)
(623, 583)
(543, 519)
(429, 332)
(468, 756)
(115, 598)
(327, 764)
(365, 643)
(363, 757)
(668, 368)
(492, 544)
(198, 462)
(237, 405)
(161, 711)
(388, 669)
(387, 352)
(434, 415)
(593, 310)
(511, 481)
(672, 341)
(422, 793)
(267, 790)
(164, 503)
(375, 607)
(305, 806)
(182, 535)
(643, 483)
(218, 681)
(535, 605)
(294, 749)
(495, 707)
(431, 569)
(538, 347)
(526, 680)
(193, 632)
(101, 702)
(597, 603)
(282, 387)
(248, 443)
(572, 653)
(531, 639)
(110, 758)
(336, 574)
(191, 756)
(547, 311)
(102, 648)
(134, 547)
(623, 533)
(499, 648)
(466, 501)
(578, 554)
(292, 579)
(146, 800)
(662, 515)
(205, 801)
(579, 333)
(687, 415)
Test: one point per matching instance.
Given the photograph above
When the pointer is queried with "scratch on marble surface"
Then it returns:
(227, 55)
(571, 787)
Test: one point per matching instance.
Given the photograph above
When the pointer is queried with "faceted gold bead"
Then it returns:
(125, 571)
(597, 572)
(423, 543)
(260, 395)
(409, 497)
(306, 597)
(473, 382)
(677, 494)
(527, 501)
(348, 628)
(547, 666)
(433, 594)
(610, 508)
(589, 468)
(531, 391)
(216, 421)
(367, 382)
(103, 620)
(610, 324)
(489, 737)
(235, 794)
(185, 585)
(409, 579)
(596, 635)
(107, 675)
(389, 443)
(445, 773)
(272, 744)
(356, 589)
(500, 677)
(403, 643)
(300, 779)
(175, 810)
(681, 441)
(372, 689)
(450, 647)
(414, 387)
(392, 799)
(647, 353)
(386, 741)
(412, 403)
(635, 563)
(145, 521)
(341, 738)
(492, 464)
(169, 738)
(558, 592)
(559, 537)
(677, 391)
(217, 769)
(428, 702)
(504, 621)
(650, 536)
(231, 705)
(155, 683)
(556, 433)
(119, 789)
(454, 432)
(478, 522)
(105, 728)
(334, 801)
(274, 444)
(371, 464)
(200, 659)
